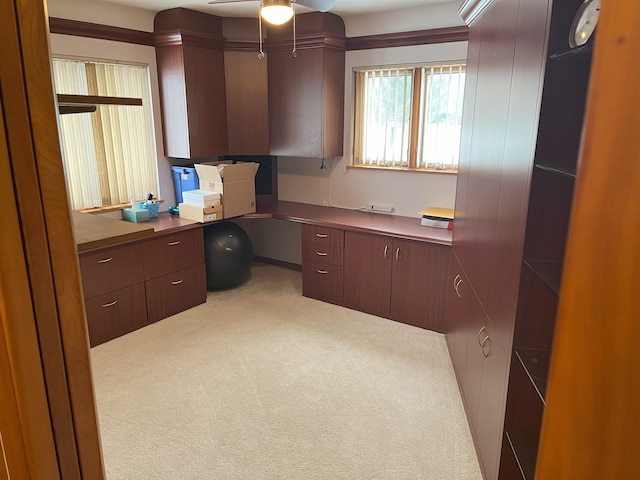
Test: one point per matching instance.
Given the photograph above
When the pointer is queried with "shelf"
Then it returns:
(573, 52)
(525, 448)
(548, 271)
(87, 103)
(535, 363)
(556, 170)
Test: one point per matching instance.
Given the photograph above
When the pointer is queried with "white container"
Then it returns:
(201, 198)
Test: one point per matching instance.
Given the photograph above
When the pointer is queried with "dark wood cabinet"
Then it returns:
(306, 91)
(322, 263)
(399, 279)
(190, 56)
(128, 287)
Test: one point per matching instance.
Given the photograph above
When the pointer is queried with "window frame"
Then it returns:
(357, 78)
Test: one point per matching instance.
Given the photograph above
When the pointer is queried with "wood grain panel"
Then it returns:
(367, 273)
(322, 281)
(418, 284)
(116, 313)
(111, 269)
(247, 102)
(594, 367)
(172, 252)
(65, 26)
(175, 292)
(403, 39)
(327, 237)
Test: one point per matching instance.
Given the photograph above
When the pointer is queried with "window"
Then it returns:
(408, 116)
(109, 155)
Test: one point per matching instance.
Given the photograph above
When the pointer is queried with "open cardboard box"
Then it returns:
(235, 182)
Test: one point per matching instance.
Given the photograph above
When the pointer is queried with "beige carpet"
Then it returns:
(262, 383)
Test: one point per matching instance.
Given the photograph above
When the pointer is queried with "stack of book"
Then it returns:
(437, 217)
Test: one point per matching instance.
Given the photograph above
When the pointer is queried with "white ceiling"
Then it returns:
(249, 8)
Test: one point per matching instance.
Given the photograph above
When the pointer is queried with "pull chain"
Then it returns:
(261, 53)
(293, 7)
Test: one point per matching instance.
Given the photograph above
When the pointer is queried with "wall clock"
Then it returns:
(584, 23)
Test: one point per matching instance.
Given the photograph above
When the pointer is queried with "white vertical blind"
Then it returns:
(109, 155)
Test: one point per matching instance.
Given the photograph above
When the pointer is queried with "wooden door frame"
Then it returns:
(43, 321)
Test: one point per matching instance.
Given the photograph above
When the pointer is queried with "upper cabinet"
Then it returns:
(190, 56)
(306, 89)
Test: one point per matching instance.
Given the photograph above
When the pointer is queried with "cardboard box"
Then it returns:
(235, 182)
(201, 198)
(200, 214)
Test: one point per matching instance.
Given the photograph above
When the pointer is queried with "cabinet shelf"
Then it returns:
(525, 450)
(535, 363)
(87, 103)
(550, 272)
(556, 170)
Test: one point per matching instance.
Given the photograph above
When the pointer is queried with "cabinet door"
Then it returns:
(247, 103)
(418, 285)
(456, 329)
(367, 273)
(116, 313)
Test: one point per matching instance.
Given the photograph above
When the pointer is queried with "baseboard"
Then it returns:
(279, 263)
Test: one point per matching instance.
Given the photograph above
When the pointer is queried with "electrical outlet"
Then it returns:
(376, 207)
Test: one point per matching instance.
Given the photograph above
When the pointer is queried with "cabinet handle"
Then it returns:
(482, 345)
(105, 260)
(322, 272)
(483, 329)
(398, 254)
(386, 249)
(456, 285)
(177, 282)
(110, 304)
(321, 235)
(171, 244)
(322, 254)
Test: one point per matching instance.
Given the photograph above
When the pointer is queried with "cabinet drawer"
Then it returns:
(111, 269)
(323, 235)
(322, 253)
(172, 252)
(176, 292)
(116, 313)
(322, 281)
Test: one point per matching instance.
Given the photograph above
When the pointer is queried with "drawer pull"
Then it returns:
(105, 260)
(398, 254)
(322, 235)
(106, 305)
(480, 333)
(456, 285)
(322, 254)
(484, 343)
(177, 282)
(171, 244)
(322, 272)
(386, 249)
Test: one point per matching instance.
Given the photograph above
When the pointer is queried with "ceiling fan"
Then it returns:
(278, 12)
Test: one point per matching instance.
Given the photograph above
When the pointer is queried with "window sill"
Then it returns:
(110, 208)
(446, 171)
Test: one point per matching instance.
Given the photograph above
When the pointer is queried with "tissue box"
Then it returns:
(153, 208)
(134, 215)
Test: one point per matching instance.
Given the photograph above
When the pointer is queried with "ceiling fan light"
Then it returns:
(276, 12)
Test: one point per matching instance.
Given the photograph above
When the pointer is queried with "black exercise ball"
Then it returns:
(228, 253)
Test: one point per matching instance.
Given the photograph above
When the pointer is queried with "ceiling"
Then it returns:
(249, 8)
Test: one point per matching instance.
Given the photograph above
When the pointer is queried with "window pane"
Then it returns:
(441, 98)
(386, 114)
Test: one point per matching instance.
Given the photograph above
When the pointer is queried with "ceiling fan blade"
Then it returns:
(319, 5)
(220, 2)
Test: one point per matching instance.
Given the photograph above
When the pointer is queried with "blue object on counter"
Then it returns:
(136, 216)
(152, 207)
(175, 210)
(184, 179)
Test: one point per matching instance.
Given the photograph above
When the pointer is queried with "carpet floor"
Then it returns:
(262, 383)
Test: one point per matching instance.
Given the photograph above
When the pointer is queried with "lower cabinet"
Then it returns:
(128, 287)
(481, 367)
(399, 279)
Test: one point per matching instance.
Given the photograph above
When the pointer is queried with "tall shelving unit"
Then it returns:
(562, 111)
